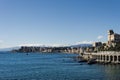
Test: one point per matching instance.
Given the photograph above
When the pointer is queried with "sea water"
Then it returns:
(52, 66)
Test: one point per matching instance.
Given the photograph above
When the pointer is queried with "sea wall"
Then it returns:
(104, 57)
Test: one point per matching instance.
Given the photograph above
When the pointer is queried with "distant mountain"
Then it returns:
(81, 45)
(9, 49)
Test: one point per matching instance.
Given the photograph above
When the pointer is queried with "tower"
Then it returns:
(110, 33)
(110, 37)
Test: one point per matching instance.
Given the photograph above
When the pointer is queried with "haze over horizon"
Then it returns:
(57, 22)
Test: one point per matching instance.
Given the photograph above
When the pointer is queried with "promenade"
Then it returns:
(104, 57)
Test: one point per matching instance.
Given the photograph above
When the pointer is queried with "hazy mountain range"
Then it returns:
(81, 45)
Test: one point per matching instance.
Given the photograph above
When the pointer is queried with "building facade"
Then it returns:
(113, 38)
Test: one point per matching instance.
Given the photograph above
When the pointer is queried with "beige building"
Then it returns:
(113, 38)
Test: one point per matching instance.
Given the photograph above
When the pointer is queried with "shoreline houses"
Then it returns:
(113, 44)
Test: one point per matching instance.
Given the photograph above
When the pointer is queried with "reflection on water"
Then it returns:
(50, 66)
(112, 72)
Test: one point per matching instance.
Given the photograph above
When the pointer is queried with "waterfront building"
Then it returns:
(113, 38)
(97, 44)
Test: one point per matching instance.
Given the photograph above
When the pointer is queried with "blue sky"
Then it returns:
(57, 21)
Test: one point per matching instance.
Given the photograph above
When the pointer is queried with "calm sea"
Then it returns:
(52, 66)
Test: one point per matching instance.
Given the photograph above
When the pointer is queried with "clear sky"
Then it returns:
(57, 21)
